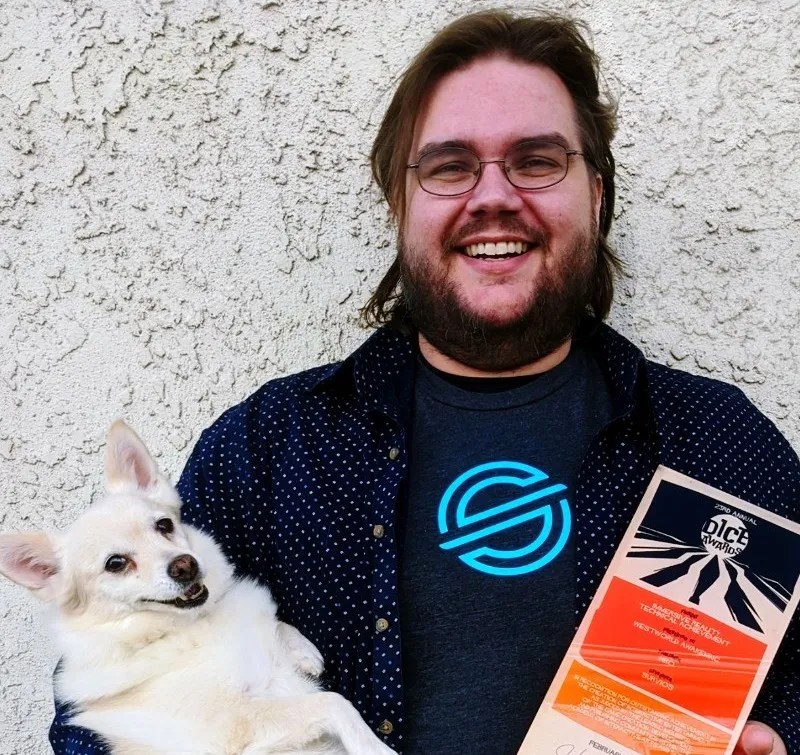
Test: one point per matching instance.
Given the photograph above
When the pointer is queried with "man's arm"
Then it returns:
(742, 452)
(775, 719)
(214, 483)
(72, 740)
(777, 704)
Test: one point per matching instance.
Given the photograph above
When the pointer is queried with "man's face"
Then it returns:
(524, 302)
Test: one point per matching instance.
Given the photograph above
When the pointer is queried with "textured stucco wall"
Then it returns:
(186, 211)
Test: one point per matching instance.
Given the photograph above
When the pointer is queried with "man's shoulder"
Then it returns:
(674, 394)
(274, 398)
(669, 384)
(712, 431)
(324, 391)
(704, 404)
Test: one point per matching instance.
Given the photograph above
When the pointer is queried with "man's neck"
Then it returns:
(442, 362)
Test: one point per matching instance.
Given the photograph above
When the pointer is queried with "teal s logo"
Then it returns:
(465, 523)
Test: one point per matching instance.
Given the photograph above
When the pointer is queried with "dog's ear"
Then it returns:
(31, 560)
(131, 469)
(129, 466)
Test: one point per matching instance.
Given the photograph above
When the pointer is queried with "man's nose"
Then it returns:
(494, 192)
(183, 569)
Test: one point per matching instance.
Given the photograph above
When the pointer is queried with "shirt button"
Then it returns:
(385, 727)
(378, 531)
(382, 625)
(394, 453)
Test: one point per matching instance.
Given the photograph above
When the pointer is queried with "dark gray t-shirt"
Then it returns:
(487, 577)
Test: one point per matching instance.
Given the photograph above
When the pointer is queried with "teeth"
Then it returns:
(499, 249)
(192, 591)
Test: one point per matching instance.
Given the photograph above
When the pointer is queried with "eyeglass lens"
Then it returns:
(528, 165)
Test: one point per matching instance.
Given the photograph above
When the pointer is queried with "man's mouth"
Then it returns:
(497, 250)
(194, 595)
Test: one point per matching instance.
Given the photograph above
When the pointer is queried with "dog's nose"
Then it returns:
(183, 569)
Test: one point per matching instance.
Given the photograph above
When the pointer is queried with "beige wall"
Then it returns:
(186, 211)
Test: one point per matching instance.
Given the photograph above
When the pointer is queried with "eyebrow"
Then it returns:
(554, 136)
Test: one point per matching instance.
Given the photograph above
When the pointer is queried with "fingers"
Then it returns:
(759, 739)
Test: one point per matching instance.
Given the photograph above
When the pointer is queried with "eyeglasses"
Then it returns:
(450, 171)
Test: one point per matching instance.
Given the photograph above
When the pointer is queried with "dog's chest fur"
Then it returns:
(187, 681)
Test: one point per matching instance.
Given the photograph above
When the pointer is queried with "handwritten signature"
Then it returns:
(570, 749)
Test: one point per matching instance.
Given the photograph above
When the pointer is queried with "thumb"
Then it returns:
(760, 739)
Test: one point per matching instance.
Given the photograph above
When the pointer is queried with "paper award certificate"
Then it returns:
(675, 645)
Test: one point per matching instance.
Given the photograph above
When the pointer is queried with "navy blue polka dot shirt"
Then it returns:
(300, 485)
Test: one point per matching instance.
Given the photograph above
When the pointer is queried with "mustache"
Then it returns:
(512, 226)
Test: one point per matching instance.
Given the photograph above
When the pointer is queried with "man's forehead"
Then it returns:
(494, 102)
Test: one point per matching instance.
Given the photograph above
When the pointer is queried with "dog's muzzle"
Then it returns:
(185, 570)
(194, 595)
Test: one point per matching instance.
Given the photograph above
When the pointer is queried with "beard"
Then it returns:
(558, 300)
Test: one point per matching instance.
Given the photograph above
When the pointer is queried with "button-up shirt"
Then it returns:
(300, 485)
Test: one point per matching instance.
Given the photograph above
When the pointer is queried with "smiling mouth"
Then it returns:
(500, 250)
(194, 595)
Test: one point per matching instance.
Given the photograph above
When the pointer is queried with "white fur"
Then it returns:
(223, 678)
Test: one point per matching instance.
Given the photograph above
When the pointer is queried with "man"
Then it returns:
(336, 487)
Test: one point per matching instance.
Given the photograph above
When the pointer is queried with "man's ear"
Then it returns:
(598, 199)
(31, 560)
(129, 466)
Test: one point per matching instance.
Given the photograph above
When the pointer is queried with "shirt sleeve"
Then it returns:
(201, 486)
(778, 703)
(215, 484)
(72, 740)
(715, 434)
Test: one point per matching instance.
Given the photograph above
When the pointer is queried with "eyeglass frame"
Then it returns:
(568, 152)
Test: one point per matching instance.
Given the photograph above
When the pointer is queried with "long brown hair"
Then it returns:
(546, 39)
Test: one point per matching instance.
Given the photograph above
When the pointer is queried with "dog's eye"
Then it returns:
(116, 563)
(165, 526)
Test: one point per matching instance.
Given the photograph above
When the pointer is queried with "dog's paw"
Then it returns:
(304, 653)
(311, 663)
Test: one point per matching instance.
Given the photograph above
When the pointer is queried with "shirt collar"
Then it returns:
(622, 364)
(380, 372)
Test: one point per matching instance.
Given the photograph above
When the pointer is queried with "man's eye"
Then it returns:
(116, 563)
(536, 164)
(165, 526)
(450, 170)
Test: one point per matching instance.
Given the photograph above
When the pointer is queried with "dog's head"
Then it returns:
(128, 553)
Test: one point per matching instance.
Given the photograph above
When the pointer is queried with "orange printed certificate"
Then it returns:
(679, 637)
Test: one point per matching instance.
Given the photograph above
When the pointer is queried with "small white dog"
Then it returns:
(164, 652)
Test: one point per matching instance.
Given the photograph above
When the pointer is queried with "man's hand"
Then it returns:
(759, 739)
